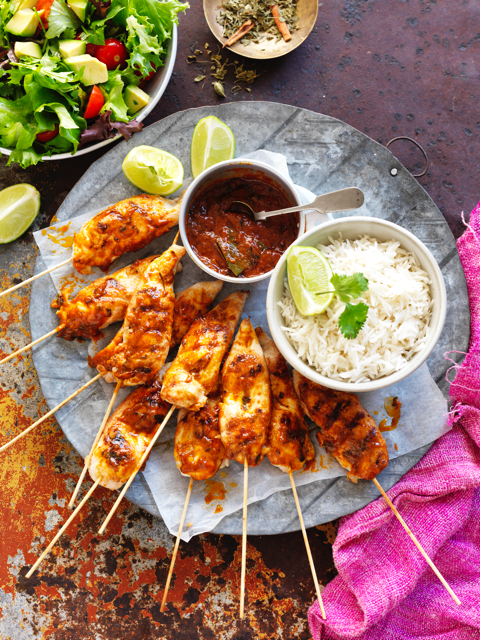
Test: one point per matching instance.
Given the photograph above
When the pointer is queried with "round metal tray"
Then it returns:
(323, 154)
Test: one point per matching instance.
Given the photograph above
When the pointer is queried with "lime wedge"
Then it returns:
(212, 142)
(19, 206)
(153, 170)
(309, 273)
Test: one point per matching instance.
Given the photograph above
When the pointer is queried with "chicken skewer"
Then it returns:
(351, 435)
(95, 307)
(199, 453)
(128, 225)
(141, 347)
(289, 446)
(125, 445)
(245, 413)
(147, 330)
(194, 372)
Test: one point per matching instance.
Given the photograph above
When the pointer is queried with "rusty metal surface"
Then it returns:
(386, 68)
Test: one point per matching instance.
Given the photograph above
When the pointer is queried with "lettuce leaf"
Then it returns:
(6, 12)
(113, 92)
(62, 20)
(149, 24)
(95, 33)
(25, 157)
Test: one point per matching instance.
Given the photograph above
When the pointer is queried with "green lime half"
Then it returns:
(212, 142)
(309, 273)
(19, 206)
(153, 170)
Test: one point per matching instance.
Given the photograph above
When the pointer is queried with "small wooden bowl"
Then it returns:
(307, 15)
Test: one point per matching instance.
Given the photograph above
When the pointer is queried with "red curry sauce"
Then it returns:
(228, 240)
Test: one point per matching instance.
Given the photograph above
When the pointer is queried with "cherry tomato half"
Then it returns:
(46, 5)
(90, 48)
(113, 53)
(46, 136)
(144, 81)
(94, 104)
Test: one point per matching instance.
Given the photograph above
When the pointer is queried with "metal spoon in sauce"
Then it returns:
(342, 200)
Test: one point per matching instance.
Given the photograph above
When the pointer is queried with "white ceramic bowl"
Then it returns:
(155, 89)
(351, 228)
(224, 171)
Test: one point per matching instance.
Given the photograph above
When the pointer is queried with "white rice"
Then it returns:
(399, 312)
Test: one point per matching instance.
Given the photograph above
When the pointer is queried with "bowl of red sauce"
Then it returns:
(219, 233)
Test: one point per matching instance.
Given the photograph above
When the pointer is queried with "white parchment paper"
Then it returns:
(423, 417)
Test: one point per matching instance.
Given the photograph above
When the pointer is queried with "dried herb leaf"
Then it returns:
(191, 59)
(199, 78)
(236, 262)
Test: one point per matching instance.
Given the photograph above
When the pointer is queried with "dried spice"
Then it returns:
(244, 75)
(235, 13)
(218, 86)
(219, 69)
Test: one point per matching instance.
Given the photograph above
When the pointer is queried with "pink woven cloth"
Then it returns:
(385, 590)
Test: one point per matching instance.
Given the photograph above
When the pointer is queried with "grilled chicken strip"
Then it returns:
(246, 407)
(127, 435)
(128, 225)
(194, 372)
(99, 304)
(199, 452)
(289, 446)
(147, 329)
(190, 305)
(347, 431)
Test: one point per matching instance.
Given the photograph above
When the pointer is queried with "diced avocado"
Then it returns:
(27, 49)
(94, 72)
(135, 98)
(28, 4)
(79, 7)
(24, 23)
(71, 48)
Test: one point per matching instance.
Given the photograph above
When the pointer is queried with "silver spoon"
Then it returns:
(342, 200)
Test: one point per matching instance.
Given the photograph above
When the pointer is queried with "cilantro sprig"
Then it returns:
(348, 288)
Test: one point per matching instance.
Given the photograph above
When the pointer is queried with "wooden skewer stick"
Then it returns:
(62, 530)
(29, 346)
(132, 477)
(307, 545)
(97, 438)
(416, 542)
(50, 413)
(244, 538)
(177, 543)
(39, 275)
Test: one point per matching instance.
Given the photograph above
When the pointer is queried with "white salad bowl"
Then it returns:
(155, 89)
(223, 171)
(351, 228)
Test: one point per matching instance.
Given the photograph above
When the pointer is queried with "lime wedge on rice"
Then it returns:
(153, 170)
(212, 142)
(19, 206)
(309, 273)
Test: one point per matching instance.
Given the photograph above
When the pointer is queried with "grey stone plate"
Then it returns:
(323, 155)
